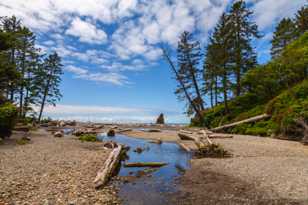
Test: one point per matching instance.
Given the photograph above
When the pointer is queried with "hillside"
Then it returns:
(279, 88)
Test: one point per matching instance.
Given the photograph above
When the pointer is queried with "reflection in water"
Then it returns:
(151, 185)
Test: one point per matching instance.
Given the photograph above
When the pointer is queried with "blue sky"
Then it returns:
(110, 50)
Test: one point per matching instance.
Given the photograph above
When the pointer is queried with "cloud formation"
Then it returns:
(112, 35)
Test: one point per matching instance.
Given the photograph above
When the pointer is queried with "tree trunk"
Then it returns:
(21, 92)
(216, 90)
(225, 93)
(183, 86)
(196, 87)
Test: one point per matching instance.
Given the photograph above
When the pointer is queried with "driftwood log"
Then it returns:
(145, 164)
(107, 171)
(304, 125)
(184, 147)
(253, 119)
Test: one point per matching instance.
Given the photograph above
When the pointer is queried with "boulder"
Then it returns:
(58, 134)
(111, 133)
(160, 120)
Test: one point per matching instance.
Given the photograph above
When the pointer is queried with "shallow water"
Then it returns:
(156, 184)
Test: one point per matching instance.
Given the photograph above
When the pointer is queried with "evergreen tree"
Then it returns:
(48, 81)
(284, 34)
(211, 75)
(221, 46)
(25, 56)
(243, 30)
(12, 26)
(181, 86)
(188, 56)
(301, 20)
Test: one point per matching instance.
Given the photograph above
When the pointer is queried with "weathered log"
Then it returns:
(145, 164)
(124, 130)
(107, 171)
(304, 125)
(186, 136)
(253, 119)
(183, 146)
(220, 136)
(154, 130)
(206, 137)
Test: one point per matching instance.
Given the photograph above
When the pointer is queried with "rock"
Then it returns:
(111, 133)
(62, 123)
(154, 130)
(156, 141)
(139, 150)
(160, 119)
(58, 134)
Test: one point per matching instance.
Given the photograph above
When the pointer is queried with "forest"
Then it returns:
(226, 84)
(28, 77)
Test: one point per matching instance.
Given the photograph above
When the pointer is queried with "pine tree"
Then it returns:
(188, 56)
(284, 34)
(211, 75)
(25, 59)
(301, 20)
(243, 30)
(182, 87)
(221, 46)
(12, 26)
(48, 81)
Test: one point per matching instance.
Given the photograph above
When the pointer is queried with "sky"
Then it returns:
(110, 49)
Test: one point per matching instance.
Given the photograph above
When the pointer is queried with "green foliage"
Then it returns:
(212, 150)
(288, 107)
(285, 33)
(88, 138)
(8, 115)
(22, 141)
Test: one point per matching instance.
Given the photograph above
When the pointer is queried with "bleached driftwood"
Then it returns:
(124, 130)
(106, 172)
(252, 119)
(220, 136)
(206, 137)
(184, 147)
(145, 164)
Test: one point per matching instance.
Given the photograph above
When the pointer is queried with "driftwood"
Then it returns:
(220, 136)
(145, 164)
(304, 125)
(109, 167)
(124, 130)
(183, 146)
(253, 119)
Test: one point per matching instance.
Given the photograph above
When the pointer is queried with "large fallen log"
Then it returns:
(124, 130)
(107, 171)
(145, 164)
(253, 119)
(220, 136)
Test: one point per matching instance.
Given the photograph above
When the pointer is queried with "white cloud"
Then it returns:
(78, 109)
(268, 12)
(86, 32)
(100, 77)
(108, 114)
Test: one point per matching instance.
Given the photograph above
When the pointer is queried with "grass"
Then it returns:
(22, 141)
(88, 138)
(212, 150)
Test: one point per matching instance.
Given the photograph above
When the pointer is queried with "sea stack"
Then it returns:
(160, 120)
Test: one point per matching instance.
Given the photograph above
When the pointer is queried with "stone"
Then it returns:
(160, 120)
(58, 134)
(111, 133)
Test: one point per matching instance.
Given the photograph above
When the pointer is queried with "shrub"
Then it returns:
(88, 138)
(8, 116)
(212, 150)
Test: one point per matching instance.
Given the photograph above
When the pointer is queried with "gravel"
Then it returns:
(51, 171)
(261, 171)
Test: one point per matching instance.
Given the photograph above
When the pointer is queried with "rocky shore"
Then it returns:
(52, 170)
